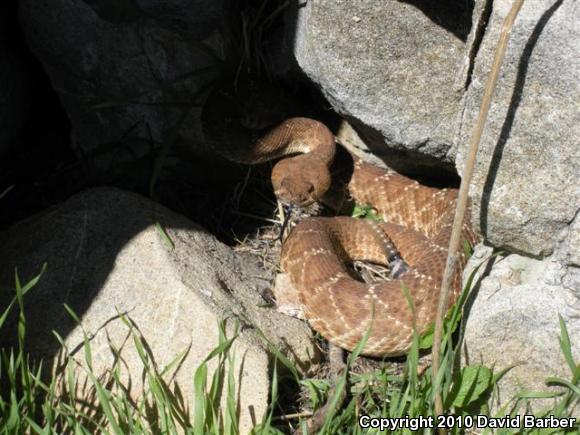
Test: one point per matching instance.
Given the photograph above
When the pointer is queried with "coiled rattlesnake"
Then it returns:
(417, 226)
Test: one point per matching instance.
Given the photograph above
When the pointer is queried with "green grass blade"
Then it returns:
(538, 394)
(199, 385)
(566, 347)
(105, 403)
(564, 383)
(164, 236)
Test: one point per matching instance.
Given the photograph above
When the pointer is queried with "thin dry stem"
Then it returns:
(292, 416)
(463, 193)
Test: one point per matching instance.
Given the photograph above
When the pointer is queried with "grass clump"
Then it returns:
(78, 400)
(102, 403)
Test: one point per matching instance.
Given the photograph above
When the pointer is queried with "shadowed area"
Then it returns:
(453, 15)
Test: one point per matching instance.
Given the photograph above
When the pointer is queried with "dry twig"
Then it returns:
(464, 190)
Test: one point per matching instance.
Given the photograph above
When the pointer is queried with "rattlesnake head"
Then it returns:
(300, 180)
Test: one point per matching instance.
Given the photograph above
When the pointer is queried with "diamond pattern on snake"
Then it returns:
(417, 224)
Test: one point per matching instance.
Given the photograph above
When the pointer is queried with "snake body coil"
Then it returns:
(417, 224)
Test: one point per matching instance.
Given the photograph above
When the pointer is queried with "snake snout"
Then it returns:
(300, 180)
(300, 193)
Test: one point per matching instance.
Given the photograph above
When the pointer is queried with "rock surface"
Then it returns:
(105, 256)
(389, 66)
(525, 186)
(124, 71)
(513, 320)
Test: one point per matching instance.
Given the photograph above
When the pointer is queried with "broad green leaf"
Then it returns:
(470, 385)
(366, 212)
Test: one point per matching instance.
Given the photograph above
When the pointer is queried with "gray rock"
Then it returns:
(105, 256)
(389, 66)
(513, 321)
(124, 76)
(525, 186)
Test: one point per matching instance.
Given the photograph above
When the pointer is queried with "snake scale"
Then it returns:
(417, 227)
